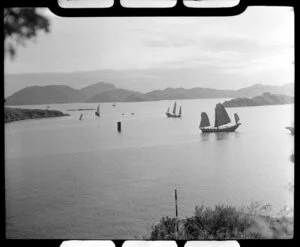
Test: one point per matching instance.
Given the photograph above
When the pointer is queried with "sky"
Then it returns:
(256, 46)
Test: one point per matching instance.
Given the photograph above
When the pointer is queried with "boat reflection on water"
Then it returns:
(205, 136)
(219, 136)
(224, 136)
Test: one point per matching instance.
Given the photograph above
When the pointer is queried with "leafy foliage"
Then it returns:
(21, 24)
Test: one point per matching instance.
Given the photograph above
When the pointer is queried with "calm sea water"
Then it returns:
(67, 178)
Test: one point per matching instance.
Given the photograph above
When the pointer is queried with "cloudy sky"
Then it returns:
(255, 47)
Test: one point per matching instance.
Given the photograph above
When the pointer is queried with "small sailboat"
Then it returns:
(80, 118)
(173, 114)
(97, 113)
(221, 118)
(291, 129)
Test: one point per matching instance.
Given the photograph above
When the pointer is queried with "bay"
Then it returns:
(66, 178)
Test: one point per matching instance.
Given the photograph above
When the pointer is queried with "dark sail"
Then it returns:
(97, 113)
(174, 108)
(180, 111)
(236, 117)
(204, 120)
(221, 116)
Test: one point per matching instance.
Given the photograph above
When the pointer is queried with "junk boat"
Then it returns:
(291, 129)
(173, 114)
(221, 118)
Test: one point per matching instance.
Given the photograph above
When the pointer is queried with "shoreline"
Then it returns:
(19, 114)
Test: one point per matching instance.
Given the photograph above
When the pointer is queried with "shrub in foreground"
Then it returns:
(225, 222)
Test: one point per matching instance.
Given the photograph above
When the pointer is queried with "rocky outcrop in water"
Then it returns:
(17, 114)
(264, 99)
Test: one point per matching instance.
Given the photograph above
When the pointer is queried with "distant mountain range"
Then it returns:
(53, 94)
(107, 92)
(119, 95)
(97, 88)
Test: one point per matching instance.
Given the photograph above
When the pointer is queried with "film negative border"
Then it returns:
(178, 10)
(117, 10)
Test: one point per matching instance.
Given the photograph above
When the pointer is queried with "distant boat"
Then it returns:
(97, 113)
(114, 104)
(221, 118)
(173, 114)
(291, 129)
(80, 118)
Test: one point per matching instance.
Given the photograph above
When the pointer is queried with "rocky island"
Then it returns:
(16, 114)
(264, 99)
